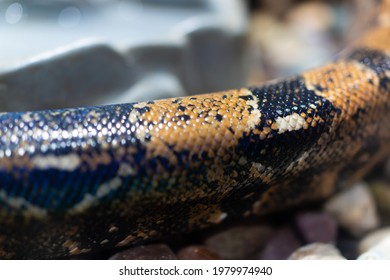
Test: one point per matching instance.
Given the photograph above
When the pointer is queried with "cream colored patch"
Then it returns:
(140, 105)
(290, 123)
(254, 118)
(19, 203)
(67, 162)
(27, 117)
(134, 116)
(89, 199)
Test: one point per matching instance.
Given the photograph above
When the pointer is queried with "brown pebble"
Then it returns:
(148, 252)
(197, 253)
(239, 242)
(316, 227)
(281, 245)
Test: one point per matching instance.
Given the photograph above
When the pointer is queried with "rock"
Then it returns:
(239, 242)
(312, 17)
(147, 252)
(316, 227)
(281, 245)
(373, 239)
(317, 251)
(381, 251)
(354, 209)
(381, 193)
(197, 253)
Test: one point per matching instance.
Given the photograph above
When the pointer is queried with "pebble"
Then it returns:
(381, 193)
(316, 227)
(239, 242)
(147, 252)
(373, 239)
(354, 209)
(197, 253)
(380, 251)
(281, 245)
(317, 251)
(312, 17)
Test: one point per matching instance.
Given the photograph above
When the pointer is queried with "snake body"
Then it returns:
(80, 180)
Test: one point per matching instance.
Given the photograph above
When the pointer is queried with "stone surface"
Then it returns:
(316, 227)
(312, 18)
(239, 242)
(147, 252)
(197, 253)
(281, 245)
(373, 239)
(354, 209)
(381, 193)
(380, 251)
(317, 251)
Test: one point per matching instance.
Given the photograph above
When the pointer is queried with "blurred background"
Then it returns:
(65, 53)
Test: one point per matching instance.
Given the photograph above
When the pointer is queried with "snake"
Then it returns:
(80, 180)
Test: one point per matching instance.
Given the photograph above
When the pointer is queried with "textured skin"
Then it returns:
(79, 180)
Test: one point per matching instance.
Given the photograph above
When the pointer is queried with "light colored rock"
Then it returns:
(317, 251)
(354, 209)
(373, 239)
(312, 17)
(381, 251)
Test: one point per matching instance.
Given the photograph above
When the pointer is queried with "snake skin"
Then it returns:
(80, 180)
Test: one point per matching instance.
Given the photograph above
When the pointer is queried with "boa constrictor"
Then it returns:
(79, 180)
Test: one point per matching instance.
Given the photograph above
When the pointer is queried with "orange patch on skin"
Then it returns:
(195, 127)
(348, 85)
